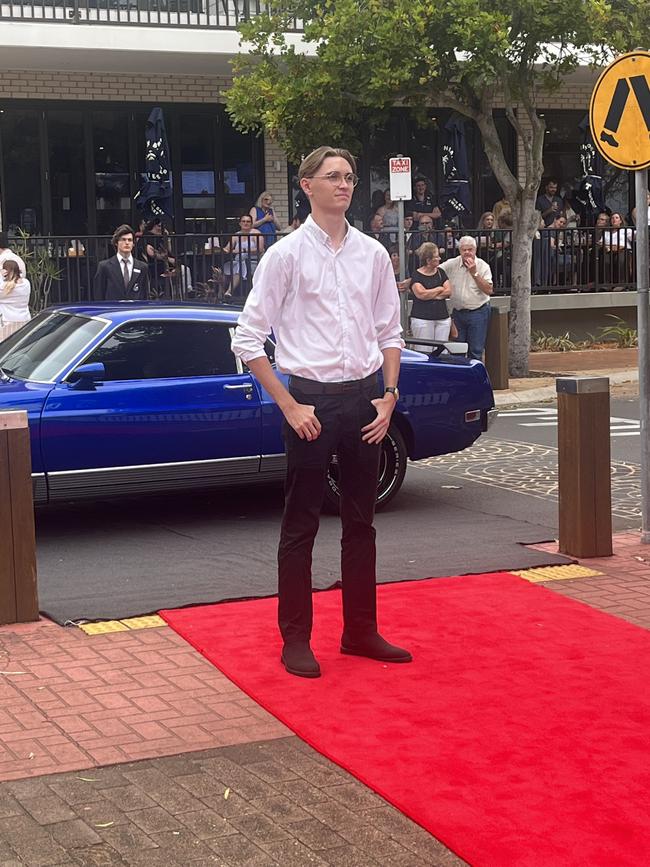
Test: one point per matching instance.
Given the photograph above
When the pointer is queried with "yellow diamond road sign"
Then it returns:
(619, 113)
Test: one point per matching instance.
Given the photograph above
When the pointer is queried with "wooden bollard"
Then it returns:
(18, 591)
(584, 468)
(496, 349)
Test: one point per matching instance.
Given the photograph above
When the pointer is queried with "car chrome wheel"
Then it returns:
(392, 468)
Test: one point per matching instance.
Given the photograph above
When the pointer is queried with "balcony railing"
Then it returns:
(213, 14)
(211, 268)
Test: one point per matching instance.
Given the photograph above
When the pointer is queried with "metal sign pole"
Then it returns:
(403, 301)
(643, 321)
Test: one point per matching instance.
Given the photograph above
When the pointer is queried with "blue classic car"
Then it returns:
(129, 398)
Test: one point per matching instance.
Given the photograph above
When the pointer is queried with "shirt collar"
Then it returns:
(129, 258)
(321, 235)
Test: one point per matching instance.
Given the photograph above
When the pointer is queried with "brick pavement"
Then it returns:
(130, 748)
(624, 588)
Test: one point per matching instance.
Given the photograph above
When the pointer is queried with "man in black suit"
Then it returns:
(122, 278)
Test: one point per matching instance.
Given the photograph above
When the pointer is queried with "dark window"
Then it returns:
(238, 174)
(21, 153)
(155, 350)
(562, 159)
(112, 180)
(65, 132)
(197, 134)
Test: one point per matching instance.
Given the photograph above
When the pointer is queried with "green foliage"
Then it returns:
(619, 333)
(542, 342)
(42, 271)
(360, 57)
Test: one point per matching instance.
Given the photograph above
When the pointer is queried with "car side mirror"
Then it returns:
(86, 375)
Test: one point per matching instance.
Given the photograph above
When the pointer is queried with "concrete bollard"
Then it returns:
(496, 349)
(584, 466)
(18, 590)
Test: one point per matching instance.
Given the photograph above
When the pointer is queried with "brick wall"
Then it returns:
(29, 84)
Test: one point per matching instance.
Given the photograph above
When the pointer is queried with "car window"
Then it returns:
(155, 350)
(41, 349)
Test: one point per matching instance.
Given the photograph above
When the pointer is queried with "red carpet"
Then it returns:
(519, 735)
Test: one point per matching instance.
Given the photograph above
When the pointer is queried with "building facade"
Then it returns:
(78, 80)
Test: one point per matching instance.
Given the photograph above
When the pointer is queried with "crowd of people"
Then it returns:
(572, 248)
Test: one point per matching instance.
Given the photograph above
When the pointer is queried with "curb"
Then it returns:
(547, 392)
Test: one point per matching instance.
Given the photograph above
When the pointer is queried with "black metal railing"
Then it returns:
(215, 268)
(214, 14)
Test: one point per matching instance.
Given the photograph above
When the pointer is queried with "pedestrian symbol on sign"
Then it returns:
(619, 113)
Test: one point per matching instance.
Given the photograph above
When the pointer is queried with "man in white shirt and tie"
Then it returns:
(122, 278)
(328, 293)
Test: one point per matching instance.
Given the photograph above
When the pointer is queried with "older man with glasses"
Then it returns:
(328, 293)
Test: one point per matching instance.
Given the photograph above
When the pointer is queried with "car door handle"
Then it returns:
(238, 387)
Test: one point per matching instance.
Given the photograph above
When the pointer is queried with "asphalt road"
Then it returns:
(537, 423)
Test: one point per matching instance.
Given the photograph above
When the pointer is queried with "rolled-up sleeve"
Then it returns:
(262, 307)
(387, 306)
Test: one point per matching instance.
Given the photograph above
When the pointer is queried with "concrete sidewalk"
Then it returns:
(620, 365)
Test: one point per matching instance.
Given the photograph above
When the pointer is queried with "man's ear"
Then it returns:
(305, 186)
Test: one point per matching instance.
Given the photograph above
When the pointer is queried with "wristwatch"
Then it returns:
(392, 389)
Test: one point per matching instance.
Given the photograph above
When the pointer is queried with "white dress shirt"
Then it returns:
(465, 294)
(332, 312)
(129, 264)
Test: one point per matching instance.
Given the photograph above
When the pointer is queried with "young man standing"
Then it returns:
(122, 278)
(328, 294)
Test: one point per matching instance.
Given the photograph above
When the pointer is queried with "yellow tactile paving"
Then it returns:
(556, 573)
(102, 628)
(150, 621)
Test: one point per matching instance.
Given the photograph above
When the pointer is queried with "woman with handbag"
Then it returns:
(14, 299)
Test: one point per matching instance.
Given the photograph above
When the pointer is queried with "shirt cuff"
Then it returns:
(392, 343)
(250, 355)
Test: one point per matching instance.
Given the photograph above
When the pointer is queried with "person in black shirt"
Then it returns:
(430, 319)
(423, 204)
(549, 203)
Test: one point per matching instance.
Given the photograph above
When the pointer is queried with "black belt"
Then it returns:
(311, 386)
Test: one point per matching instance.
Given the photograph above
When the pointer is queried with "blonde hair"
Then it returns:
(13, 276)
(426, 252)
(263, 196)
(313, 161)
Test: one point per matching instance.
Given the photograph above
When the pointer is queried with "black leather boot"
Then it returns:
(373, 646)
(298, 659)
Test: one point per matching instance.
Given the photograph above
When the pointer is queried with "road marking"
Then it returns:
(547, 417)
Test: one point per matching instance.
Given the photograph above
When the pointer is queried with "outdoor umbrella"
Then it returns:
(154, 199)
(590, 191)
(455, 192)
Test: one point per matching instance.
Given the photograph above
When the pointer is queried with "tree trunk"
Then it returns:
(525, 224)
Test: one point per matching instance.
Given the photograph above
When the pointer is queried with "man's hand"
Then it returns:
(377, 429)
(469, 261)
(302, 419)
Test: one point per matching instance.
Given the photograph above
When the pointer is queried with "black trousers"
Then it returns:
(341, 417)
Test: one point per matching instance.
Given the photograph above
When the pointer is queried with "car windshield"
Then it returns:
(51, 340)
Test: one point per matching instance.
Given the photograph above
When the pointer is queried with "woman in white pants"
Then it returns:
(430, 319)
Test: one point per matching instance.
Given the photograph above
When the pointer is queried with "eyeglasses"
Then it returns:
(335, 178)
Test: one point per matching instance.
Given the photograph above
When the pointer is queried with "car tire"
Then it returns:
(392, 469)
